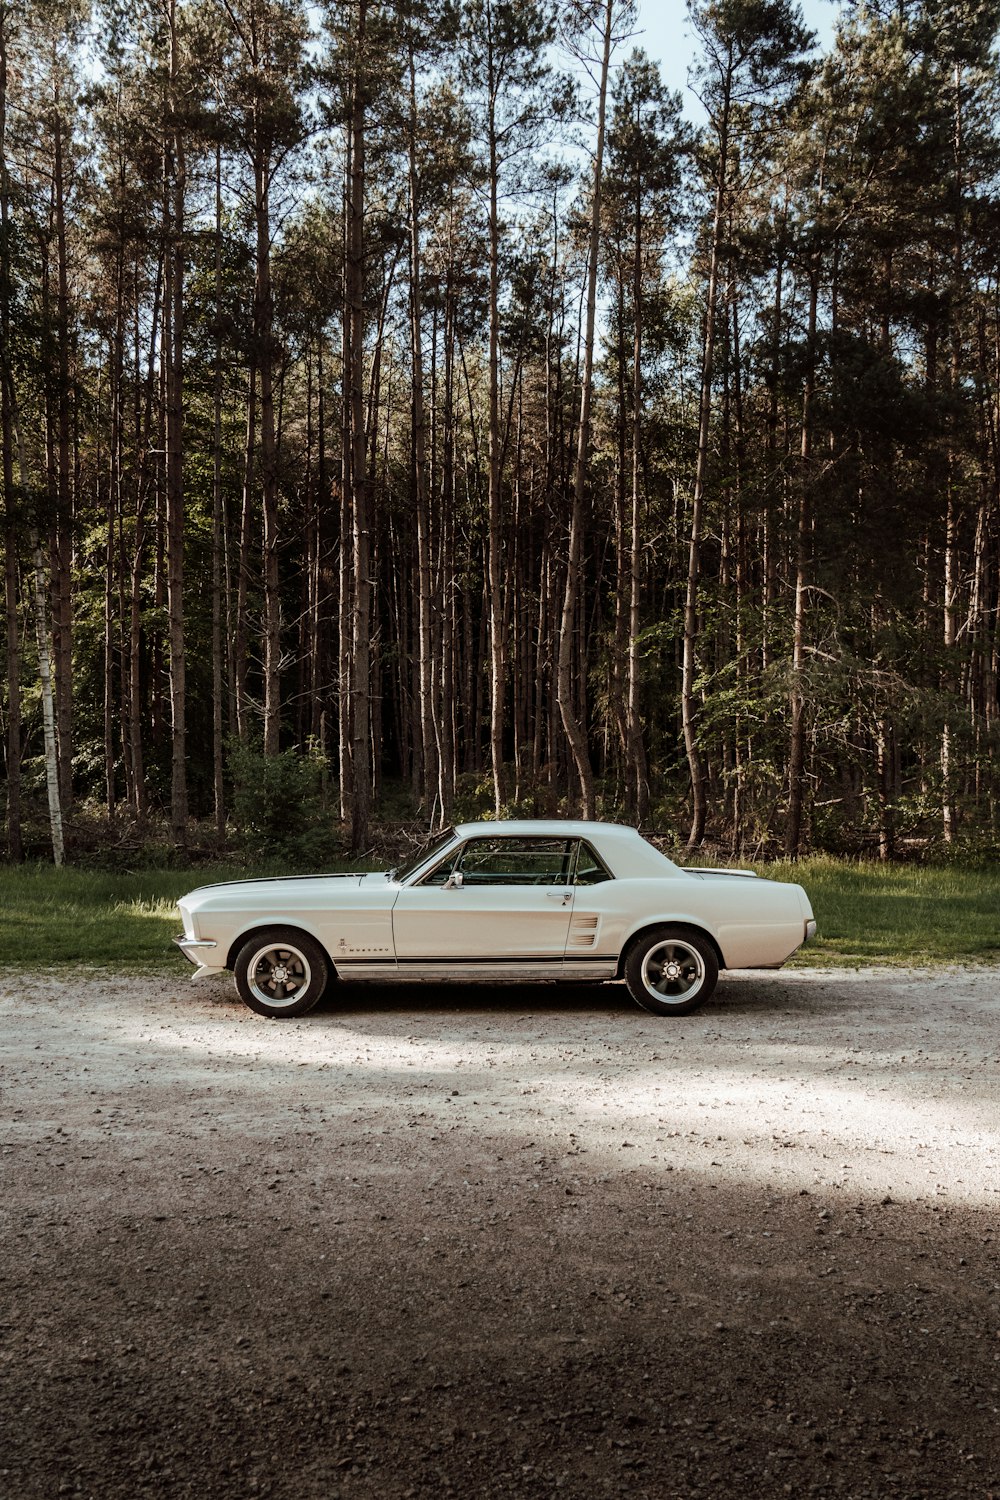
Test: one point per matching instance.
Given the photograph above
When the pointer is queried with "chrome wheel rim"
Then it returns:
(279, 975)
(673, 971)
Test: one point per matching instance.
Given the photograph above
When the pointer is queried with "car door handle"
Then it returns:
(562, 896)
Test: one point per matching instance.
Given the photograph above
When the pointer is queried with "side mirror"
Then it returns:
(455, 881)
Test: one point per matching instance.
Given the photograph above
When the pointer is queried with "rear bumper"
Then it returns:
(810, 930)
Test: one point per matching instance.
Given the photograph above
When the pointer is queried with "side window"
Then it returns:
(500, 861)
(589, 868)
(442, 872)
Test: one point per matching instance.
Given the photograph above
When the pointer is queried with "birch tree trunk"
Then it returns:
(15, 847)
(949, 808)
(48, 703)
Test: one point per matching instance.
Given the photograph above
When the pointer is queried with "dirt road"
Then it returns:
(504, 1243)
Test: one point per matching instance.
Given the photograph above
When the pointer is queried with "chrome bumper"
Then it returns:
(192, 949)
(810, 930)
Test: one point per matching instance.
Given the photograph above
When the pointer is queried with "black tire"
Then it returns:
(650, 971)
(281, 973)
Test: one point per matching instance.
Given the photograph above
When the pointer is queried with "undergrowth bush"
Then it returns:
(278, 807)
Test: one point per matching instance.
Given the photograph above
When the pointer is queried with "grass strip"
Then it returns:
(867, 914)
(870, 913)
(52, 917)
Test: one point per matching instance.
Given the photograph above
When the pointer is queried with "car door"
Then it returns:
(494, 901)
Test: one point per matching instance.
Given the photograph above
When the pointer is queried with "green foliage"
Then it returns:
(278, 805)
(869, 178)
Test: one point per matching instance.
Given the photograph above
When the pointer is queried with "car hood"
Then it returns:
(278, 885)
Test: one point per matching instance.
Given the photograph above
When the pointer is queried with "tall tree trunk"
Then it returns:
(44, 645)
(447, 561)
(638, 770)
(145, 392)
(110, 552)
(949, 808)
(427, 716)
(326, 585)
(43, 642)
(43, 639)
(174, 361)
(797, 739)
(498, 670)
(15, 845)
(576, 731)
(218, 785)
(264, 339)
(62, 555)
(360, 666)
(345, 597)
(114, 602)
(696, 768)
(618, 656)
(241, 644)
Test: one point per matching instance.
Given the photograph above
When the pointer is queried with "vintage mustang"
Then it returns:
(500, 901)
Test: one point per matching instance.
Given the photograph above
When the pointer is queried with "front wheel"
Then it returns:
(671, 972)
(281, 973)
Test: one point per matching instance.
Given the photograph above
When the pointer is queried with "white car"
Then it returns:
(500, 901)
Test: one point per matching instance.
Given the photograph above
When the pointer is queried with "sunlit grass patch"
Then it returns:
(72, 916)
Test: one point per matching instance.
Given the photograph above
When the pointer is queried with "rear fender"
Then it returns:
(677, 924)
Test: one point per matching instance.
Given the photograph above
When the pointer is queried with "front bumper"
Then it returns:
(810, 930)
(193, 950)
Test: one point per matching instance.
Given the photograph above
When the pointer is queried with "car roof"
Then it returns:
(544, 827)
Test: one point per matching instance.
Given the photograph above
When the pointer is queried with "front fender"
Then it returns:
(259, 924)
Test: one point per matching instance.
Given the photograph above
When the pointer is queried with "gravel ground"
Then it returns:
(504, 1242)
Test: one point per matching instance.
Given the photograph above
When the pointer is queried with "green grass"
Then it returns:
(867, 914)
(54, 917)
(897, 914)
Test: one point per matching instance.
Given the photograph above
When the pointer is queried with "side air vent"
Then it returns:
(583, 931)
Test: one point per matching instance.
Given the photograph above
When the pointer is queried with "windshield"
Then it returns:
(435, 846)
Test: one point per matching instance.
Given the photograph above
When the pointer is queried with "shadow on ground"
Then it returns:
(498, 1338)
(249, 1258)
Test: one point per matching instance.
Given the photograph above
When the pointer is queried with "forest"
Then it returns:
(413, 410)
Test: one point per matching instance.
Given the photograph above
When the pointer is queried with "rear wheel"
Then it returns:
(281, 973)
(671, 972)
